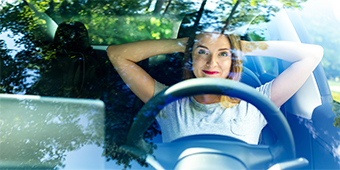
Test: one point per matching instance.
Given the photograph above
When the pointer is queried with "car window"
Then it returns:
(259, 32)
(327, 37)
(57, 49)
(322, 30)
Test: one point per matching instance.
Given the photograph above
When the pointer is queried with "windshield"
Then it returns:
(58, 48)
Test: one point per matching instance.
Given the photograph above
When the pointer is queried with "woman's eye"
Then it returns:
(225, 54)
(202, 52)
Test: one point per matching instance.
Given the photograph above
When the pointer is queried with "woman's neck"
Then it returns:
(208, 99)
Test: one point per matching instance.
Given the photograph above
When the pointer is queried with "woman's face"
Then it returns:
(211, 56)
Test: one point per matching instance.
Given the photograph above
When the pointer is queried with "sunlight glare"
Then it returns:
(336, 152)
(336, 8)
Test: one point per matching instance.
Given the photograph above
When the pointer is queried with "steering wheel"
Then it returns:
(282, 150)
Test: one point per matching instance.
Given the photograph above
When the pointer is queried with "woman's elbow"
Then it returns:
(313, 53)
(316, 52)
(319, 53)
(109, 51)
(112, 54)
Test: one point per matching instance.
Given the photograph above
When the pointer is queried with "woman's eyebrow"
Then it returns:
(222, 49)
(201, 46)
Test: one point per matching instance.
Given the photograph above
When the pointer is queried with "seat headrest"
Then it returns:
(249, 78)
(71, 36)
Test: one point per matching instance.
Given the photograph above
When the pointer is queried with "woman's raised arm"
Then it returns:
(304, 58)
(125, 56)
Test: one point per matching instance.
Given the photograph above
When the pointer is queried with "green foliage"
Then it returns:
(336, 96)
(336, 110)
(12, 74)
(108, 21)
(337, 122)
(336, 103)
(292, 3)
(140, 28)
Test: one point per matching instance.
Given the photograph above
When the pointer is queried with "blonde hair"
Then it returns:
(235, 69)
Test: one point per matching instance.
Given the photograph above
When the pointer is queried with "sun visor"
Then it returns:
(45, 25)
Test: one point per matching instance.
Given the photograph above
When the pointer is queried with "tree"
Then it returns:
(12, 74)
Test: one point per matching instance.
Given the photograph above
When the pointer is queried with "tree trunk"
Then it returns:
(158, 7)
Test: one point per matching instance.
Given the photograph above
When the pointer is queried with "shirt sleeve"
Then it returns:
(159, 87)
(266, 91)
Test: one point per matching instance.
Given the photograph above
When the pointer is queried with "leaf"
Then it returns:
(253, 3)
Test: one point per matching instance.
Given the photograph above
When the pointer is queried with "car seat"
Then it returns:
(79, 67)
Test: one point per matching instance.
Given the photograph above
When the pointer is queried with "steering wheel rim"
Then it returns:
(283, 149)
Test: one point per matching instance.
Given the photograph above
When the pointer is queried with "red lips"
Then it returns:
(210, 72)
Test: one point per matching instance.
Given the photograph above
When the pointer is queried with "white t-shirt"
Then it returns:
(186, 117)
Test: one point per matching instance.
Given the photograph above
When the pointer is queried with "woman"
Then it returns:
(215, 55)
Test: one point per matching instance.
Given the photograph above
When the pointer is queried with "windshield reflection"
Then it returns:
(38, 132)
(65, 65)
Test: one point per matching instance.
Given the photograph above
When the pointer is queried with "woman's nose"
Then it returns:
(212, 60)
